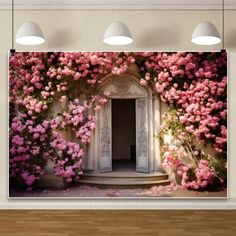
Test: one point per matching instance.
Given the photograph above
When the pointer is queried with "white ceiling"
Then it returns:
(118, 4)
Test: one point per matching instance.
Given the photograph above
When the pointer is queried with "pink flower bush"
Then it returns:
(193, 178)
(29, 150)
(200, 178)
(68, 162)
(202, 171)
(194, 84)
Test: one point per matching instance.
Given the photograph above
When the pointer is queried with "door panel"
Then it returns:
(141, 135)
(105, 139)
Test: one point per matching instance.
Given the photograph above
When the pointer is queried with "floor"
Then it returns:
(123, 165)
(114, 223)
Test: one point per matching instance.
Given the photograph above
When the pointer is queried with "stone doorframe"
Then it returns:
(147, 106)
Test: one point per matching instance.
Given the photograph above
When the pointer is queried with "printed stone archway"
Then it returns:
(147, 109)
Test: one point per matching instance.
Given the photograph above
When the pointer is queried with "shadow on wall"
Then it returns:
(158, 37)
(61, 38)
(230, 39)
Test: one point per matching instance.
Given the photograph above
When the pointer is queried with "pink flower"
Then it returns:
(107, 93)
(63, 98)
(159, 88)
(143, 82)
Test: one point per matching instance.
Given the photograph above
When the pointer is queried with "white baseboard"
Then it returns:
(120, 206)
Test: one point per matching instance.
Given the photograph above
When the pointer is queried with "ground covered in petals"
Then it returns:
(91, 191)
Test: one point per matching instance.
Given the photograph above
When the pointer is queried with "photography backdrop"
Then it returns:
(157, 31)
(66, 107)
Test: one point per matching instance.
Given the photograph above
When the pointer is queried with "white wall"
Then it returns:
(83, 31)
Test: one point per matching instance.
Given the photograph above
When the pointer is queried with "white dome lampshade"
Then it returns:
(206, 34)
(30, 34)
(117, 33)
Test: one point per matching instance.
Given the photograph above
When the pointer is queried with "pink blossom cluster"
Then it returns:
(205, 113)
(203, 176)
(32, 105)
(78, 118)
(84, 133)
(26, 74)
(172, 160)
(49, 75)
(29, 149)
(91, 66)
(30, 178)
(68, 161)
(193, 178)
(196, 84)
(76, 113)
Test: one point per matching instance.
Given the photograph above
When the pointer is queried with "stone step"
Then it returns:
(125, 179)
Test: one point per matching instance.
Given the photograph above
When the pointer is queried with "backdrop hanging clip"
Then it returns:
(12, 51)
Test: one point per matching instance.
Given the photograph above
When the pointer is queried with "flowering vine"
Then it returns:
(196, 168)
(196, 85)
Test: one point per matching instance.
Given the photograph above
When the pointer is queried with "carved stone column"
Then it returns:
(156, 129)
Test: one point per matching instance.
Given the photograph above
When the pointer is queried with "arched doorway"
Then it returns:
(139, 112)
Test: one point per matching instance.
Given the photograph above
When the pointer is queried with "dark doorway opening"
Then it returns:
(123, 135)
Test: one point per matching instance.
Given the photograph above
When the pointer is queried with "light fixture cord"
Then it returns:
(223, 24)
(12, 24)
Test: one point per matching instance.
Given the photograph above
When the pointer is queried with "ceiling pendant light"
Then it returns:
(30, 34)
(117, 33)
(206, 34)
